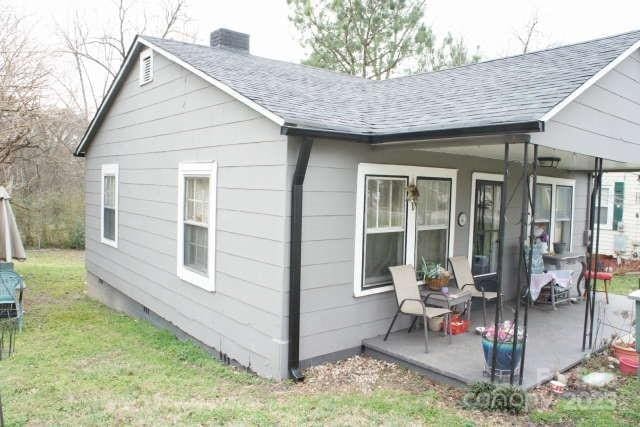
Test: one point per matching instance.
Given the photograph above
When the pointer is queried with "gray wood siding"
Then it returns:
(332, 319)
(148, 131)
(606, 114)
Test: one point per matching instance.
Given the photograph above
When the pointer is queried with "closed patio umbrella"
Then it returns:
(10, 243)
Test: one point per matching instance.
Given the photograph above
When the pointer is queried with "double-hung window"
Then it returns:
(196, 223)
(390, 231)
(554, 209)
(109, 205)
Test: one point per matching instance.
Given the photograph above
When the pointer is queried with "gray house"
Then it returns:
(255, 205)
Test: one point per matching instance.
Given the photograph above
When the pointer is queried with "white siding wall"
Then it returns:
(605, 115)
(630, 234)
(148, 131)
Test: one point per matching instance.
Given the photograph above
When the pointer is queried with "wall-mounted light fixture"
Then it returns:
(548, 162)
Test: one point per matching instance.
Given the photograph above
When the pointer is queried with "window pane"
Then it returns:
(604, 208)
(564, 197)
(196, 203)
(432, 245)
(385, 209)
(543, 203)
(109, 226)
(563, 200)
(110, 191)
(196, 243)
(385, 202)
(382, 250)
(433, 204)
(486, 227)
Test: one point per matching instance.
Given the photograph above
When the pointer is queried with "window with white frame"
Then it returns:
(146, 67)
(605, 216)
(196, 223)
(554, 209)
(433, 214)
(109, 205)
(390, 231)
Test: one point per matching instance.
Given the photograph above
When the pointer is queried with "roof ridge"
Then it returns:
(374, 81)
(281, 61)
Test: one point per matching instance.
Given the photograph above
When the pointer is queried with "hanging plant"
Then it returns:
(412, 195)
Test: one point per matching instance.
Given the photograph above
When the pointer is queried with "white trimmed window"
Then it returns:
(146, 67)
(555, 201)
(606, 207)
(196, 223)
(389, 231)
(109, 205)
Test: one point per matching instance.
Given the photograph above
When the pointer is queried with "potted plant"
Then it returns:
(505, 353)
(435, 276)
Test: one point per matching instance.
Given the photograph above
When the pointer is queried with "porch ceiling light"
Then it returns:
(548, 162)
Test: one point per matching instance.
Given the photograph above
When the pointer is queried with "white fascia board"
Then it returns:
(592, 80)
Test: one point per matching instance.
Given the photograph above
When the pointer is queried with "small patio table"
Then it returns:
(453, 298)
(561, 278)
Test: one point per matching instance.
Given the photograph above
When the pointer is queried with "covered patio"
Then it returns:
(553, 344)
(534, 170)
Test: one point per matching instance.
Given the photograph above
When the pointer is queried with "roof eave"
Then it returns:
(373, 138)
(80, 150)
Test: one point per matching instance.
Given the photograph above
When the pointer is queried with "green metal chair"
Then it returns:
(11, 286)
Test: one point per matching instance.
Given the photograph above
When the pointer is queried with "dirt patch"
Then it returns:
(364, 374)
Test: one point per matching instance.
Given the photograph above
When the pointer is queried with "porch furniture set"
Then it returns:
(413, 298)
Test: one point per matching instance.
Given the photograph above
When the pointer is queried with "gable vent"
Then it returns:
(146, 67)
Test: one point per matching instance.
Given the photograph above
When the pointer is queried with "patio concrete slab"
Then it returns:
(554, 343)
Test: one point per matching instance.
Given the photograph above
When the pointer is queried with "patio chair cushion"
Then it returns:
(600, 275)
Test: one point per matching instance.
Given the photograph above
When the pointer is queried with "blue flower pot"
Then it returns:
(505, 355)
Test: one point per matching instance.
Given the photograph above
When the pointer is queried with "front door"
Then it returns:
(486, 227)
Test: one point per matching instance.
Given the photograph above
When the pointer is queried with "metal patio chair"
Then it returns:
(410, 302)
(465, 282)
(11, 286)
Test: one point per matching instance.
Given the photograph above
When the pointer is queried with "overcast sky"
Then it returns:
(489, 24)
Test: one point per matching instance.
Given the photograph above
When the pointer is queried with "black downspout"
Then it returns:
(295, 259)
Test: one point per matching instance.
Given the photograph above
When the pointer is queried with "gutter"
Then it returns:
(295, 259)
(373, 139)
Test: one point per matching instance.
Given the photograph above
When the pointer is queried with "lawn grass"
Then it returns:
(621, 410)
(622, 284)
(80, 363)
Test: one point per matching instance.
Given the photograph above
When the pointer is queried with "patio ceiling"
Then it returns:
(492, 147)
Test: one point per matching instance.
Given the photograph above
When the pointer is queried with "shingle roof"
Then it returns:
(516, 89)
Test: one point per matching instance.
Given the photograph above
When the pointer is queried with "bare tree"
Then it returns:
(529, 33)
(96, 55)
(22, 79)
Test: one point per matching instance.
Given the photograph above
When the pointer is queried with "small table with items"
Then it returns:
(552, 286)
(452, 298)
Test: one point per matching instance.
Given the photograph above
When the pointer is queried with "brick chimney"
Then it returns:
(230, 39)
